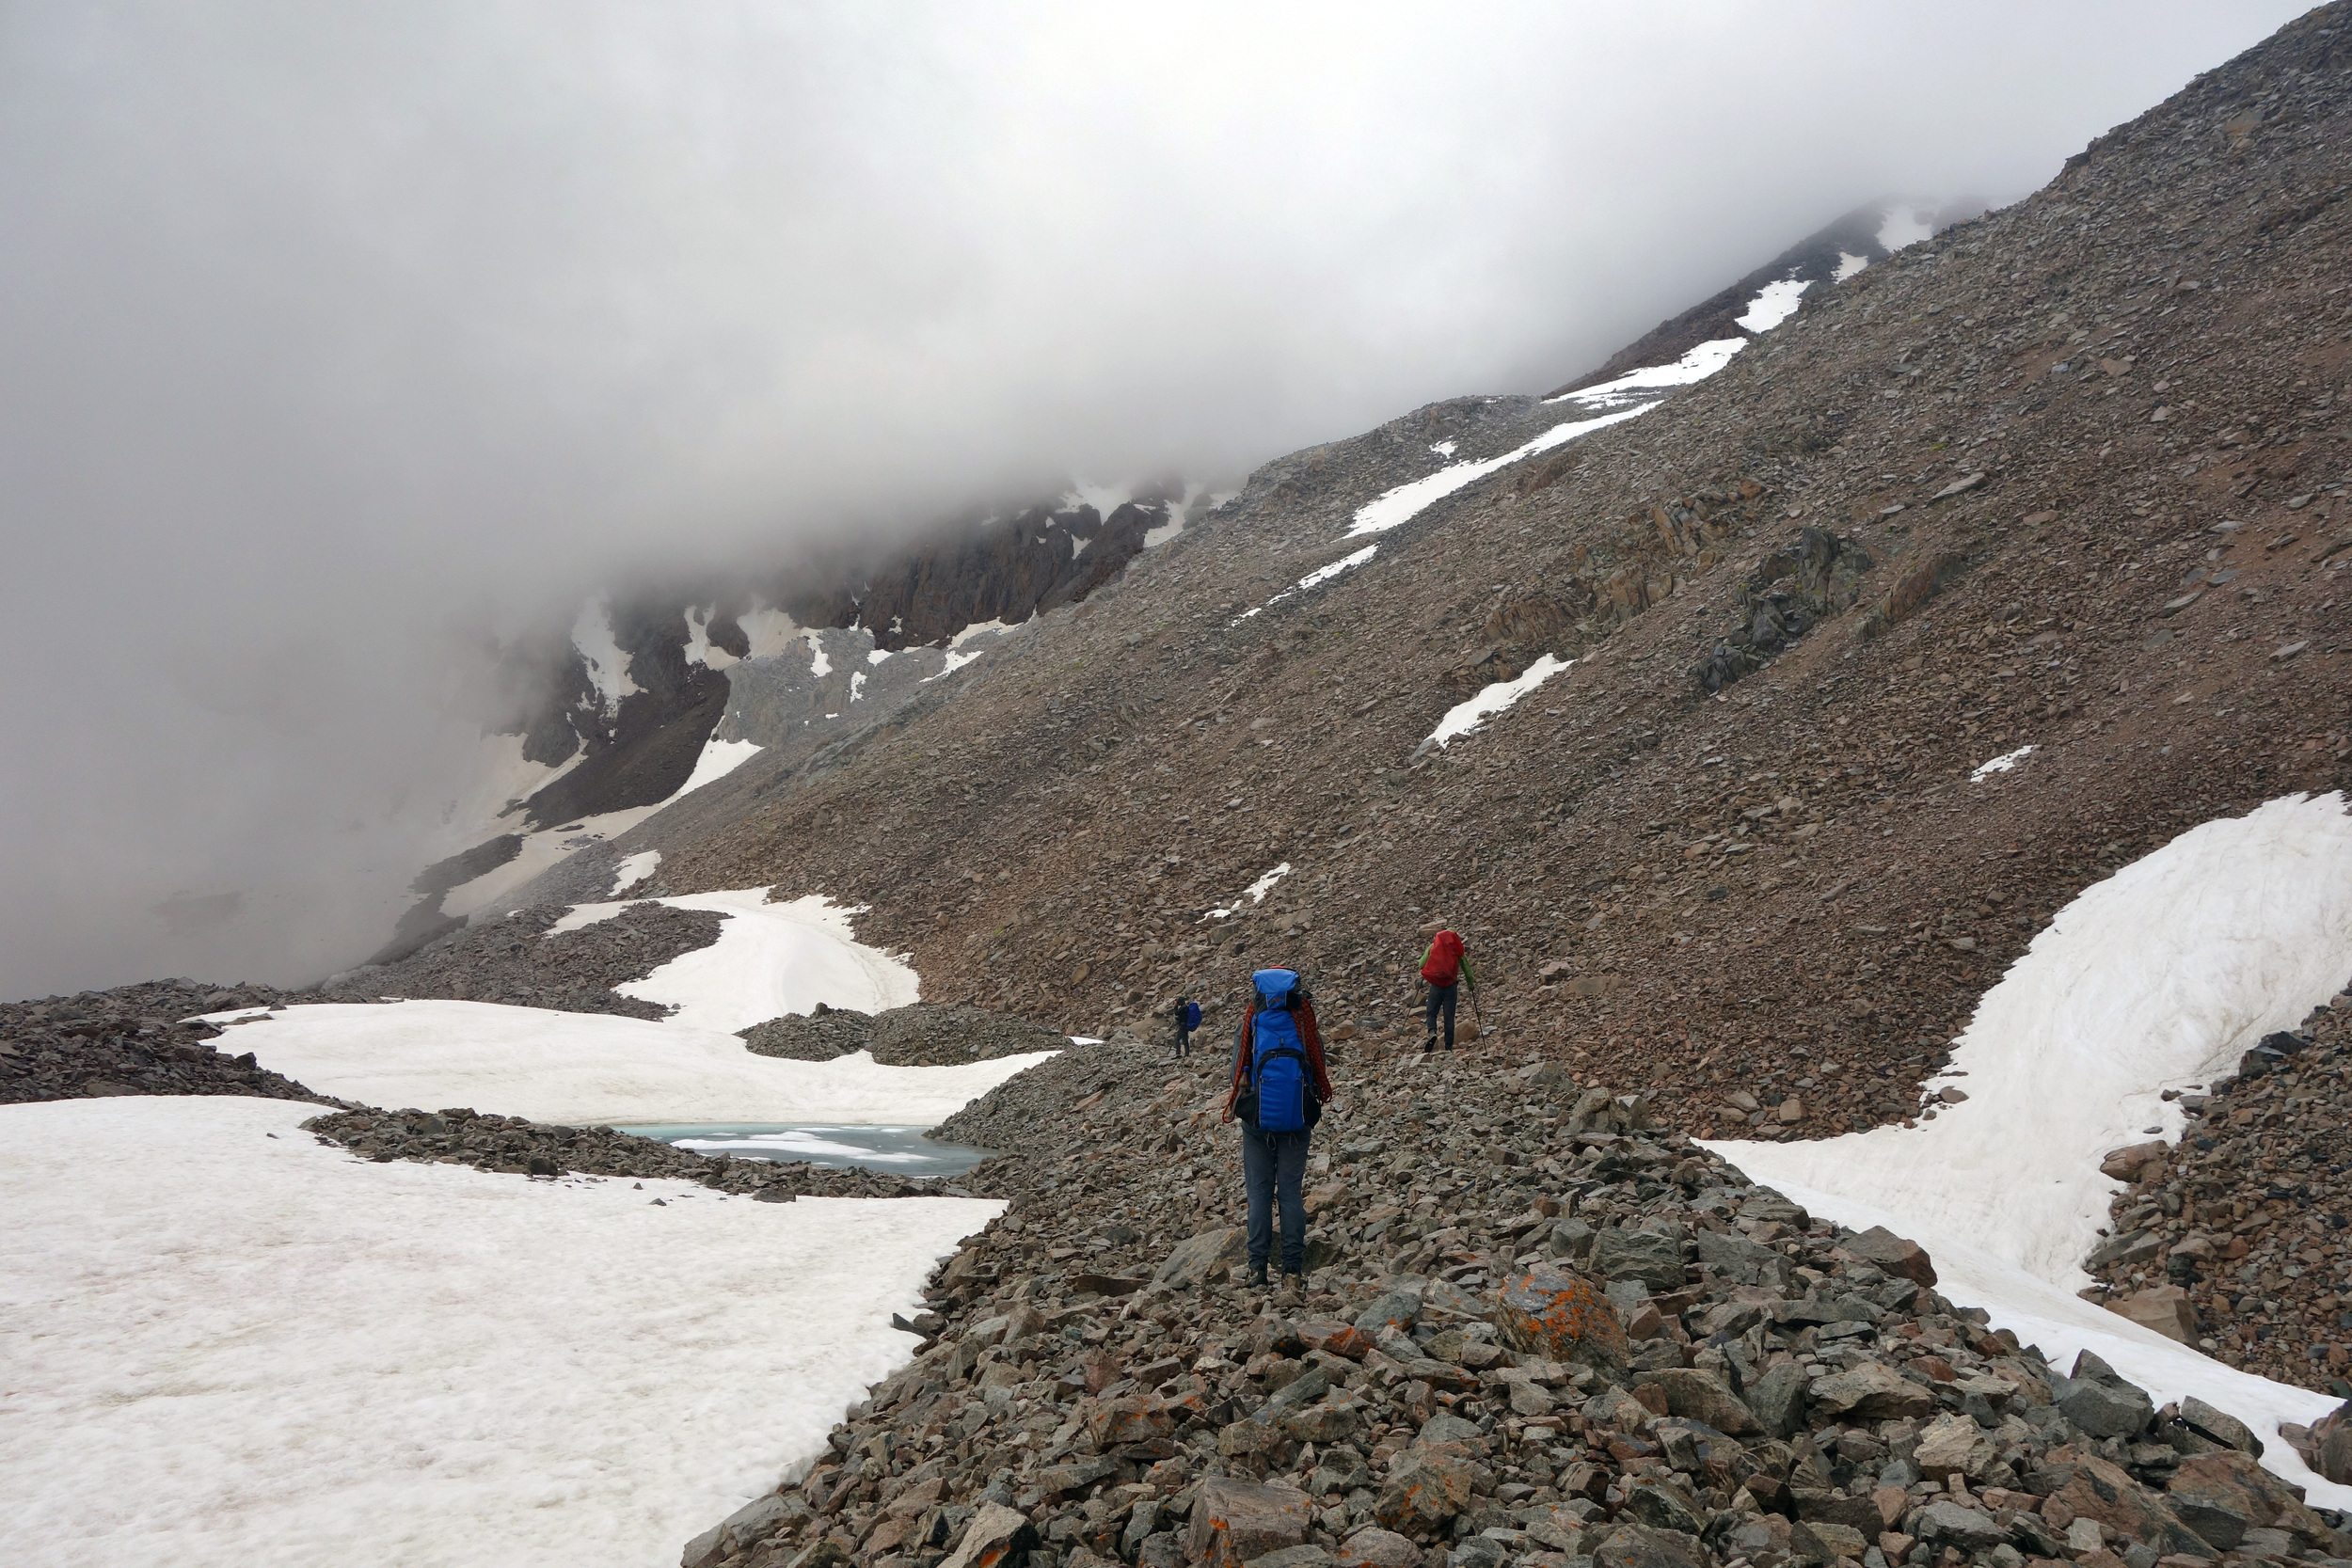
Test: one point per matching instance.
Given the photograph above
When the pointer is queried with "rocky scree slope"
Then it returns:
(2091, 449)
(134, 1039)
(1815, 259)
(514, 960)
(2239, 1230)
(1093, 1386)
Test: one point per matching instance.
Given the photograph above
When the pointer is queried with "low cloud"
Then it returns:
(332, 336)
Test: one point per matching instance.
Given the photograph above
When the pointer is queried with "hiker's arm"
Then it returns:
(1467, 975)
(1241, 1036)
(1313, 1037)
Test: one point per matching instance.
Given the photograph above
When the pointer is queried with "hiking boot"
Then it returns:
(1293, 1288)
(1257, 1277)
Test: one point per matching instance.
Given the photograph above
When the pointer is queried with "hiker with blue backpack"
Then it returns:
(1187, 1012)
(1279, 1091)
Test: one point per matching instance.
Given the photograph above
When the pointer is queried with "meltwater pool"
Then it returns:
(902, 1150)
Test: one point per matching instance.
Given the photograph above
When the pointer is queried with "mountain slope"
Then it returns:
(2085, 445)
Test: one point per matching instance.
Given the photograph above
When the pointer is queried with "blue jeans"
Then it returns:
(1271, 1163)
(1442, 997)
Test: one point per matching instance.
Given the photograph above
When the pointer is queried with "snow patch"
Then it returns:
(540, 850)
(954, 662)
(974, 629)
(1396, 507)
(699, 648)
(2156, 978)
(1177, 511)
(877, 655)
(818, 665)
(1313, 580)
(1255, 892)
(1773, 303)
(608, 667)
(1697, 365)
(719, 758)
(857, 684)
(1105, 498)
(1903, 225)
(338, 1361)
(2001, 764)
(770, 959)
(769, 631)
(1461, 719)
(549, 845)
(1443, 449)
(635, 869)
(1848, 264)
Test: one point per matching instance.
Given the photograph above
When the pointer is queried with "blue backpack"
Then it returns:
(1279, 1098)
(1191, 1019)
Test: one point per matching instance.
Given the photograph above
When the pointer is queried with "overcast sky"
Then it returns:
(325, 325)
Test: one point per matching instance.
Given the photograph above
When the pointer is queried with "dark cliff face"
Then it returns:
(640, 750)
(1001, 569)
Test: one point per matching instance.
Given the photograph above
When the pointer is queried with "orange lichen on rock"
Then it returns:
(1562, 1315)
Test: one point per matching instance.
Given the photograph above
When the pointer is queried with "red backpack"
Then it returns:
(1445, 961)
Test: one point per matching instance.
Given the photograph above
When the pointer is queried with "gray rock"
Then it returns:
(1946, 1522)
(1777, 1399)
(1203, 1258)
(2103, 1410)
(1654, 1261)
(2220, 1426)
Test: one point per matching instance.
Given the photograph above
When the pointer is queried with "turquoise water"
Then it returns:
(902, 1150)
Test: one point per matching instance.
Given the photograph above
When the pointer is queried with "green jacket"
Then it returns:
(1430, 952)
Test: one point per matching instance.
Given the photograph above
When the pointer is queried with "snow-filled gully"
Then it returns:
(2156, 978)
(588, 1069)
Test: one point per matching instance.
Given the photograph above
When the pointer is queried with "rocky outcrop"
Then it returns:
(1798, 586)
(819, 1035)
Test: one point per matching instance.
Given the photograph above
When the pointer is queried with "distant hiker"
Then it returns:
(1445, 967)
(1187, 1016)
(1280, 1090)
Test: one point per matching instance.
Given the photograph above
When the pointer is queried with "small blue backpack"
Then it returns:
(1279, 1098)
(1192, 1015)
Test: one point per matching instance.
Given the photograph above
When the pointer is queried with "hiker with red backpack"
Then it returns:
(1443, 967)
(1279, 1091)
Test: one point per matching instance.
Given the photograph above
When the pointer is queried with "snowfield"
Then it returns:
(2156, 978)
(586, 1069)
(770, 959)
(592, 1068)
(245, 1347)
